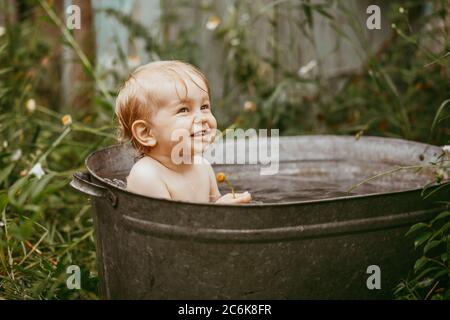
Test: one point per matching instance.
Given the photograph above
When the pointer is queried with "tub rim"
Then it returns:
(432, 187)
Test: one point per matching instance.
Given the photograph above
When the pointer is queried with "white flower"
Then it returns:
(213, 22)
(31, 105)
(249, 106)
(401, 10)
(446, 150)
(16, 155)
(2, 31)
(37, 170)
(307, 68)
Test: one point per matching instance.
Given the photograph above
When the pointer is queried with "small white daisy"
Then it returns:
(37, 170)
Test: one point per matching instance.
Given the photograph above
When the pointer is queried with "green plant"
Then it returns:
(431, 276)
(403, 84)
(44, 225)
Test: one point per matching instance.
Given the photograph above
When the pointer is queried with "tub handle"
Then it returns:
(279, 233)
(81, 181)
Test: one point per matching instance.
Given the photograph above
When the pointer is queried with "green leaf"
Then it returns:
(3, 200)
(21, 232)
(390, 83)
(4, 173)
(420, 263)
(425, 272)
(14, 189)
(422, 238)
(440, 216)
(424, 283)
(447, 294)
(430, 245)
(438, 113)
(41, 184)
(32, 207)
(3, 47)
(440, 274)
(5, 70)
(444, 257)
(26, 190)
(400, 287)
(416, 227)
(441, 231)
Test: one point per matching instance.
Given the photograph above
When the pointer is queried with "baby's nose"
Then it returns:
(199, 118)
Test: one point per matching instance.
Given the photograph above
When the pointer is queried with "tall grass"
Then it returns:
(45, 226)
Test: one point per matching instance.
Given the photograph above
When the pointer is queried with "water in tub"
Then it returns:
(312, 180)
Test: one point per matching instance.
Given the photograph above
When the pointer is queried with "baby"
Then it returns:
(164, 109)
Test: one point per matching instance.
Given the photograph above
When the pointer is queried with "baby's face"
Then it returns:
(188, 116)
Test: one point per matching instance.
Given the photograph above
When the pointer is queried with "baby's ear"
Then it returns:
(143, 134)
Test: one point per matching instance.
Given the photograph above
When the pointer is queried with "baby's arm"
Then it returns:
(145, 180)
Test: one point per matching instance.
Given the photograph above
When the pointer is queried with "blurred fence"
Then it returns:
(335, 54)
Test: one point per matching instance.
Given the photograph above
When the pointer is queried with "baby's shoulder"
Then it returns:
(144, 169)
(145, 178)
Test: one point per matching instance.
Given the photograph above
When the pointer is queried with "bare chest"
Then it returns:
(192, 187)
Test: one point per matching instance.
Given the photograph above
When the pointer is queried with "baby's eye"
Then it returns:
(182, 110)
(205, 106)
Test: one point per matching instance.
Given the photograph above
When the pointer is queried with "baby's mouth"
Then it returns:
(201, 133)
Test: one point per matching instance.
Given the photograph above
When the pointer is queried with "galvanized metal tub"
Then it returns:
(150, 248)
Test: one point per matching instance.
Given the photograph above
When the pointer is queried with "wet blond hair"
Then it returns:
(136, 101)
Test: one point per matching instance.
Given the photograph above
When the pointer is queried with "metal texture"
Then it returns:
(150, 248)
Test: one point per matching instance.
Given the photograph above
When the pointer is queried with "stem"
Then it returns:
(74, 244)
(34, 248)
(382, 174)
(54, 144)
(10, 259)
(432, 289)
(231, 187)
(77, 127)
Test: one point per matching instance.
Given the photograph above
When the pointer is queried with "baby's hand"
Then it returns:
(244, 197)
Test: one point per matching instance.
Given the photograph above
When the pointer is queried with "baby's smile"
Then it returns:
(201, 133)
